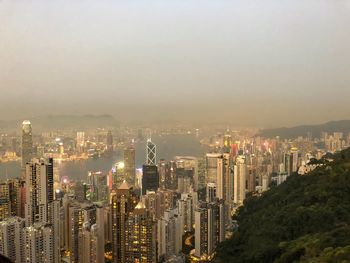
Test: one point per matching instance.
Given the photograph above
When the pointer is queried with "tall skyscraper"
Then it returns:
(240, 173)
(288, 163)
(171, 176)
(55, 223)
(218, 171)
(209, 231)
(140, 236)
(16, 187)
(89, 242)
(78, 213)
(162, 171)
(251, 178)
(228, 178)
(151, 153)
(39, 190)
(123, 202)
(186, 207)
(27, 143)
(212, 167)
(169, 235)
(221, 178)
(42, 212)
(295, 159)
(150, 178)
(130, 165)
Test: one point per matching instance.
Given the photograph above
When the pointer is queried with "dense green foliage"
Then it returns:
(305, 219)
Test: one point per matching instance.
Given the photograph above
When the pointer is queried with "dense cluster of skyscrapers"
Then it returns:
(168, 211)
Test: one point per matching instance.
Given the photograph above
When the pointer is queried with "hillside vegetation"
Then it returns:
(305, 219)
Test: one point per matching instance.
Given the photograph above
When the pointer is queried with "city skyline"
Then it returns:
(126, 214)
(174, 131)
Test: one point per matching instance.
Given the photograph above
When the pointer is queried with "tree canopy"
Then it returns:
(305, 219)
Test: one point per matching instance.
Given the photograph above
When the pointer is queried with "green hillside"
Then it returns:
(306, 219)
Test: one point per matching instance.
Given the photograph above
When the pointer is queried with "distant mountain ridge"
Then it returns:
(64, 121)
(316, 130)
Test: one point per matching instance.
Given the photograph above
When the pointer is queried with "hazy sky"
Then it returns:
(263, 62)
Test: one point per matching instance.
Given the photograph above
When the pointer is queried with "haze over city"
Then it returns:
(242, 62)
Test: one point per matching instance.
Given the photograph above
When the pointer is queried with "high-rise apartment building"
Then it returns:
(5, 204)
(89, 243)
(212, 167)
(16, 196)
(140, 238)
(123, 202)
(162, 171)
(11, 238)
(219, 172)
(171, 179)
(78, 213)
(186, 207)
(38, 246)
(210, 229)
(169, 235)
(240, 173)
(39, 190)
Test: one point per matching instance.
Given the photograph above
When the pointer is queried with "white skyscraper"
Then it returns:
(89, 243)
(212, 167)
(228, 178)
(39, 190)
(55, 221)
(11, 238)
(169, 235)
(186, 207)
(295, 159)
(240, 171)
(220, 179)
(42, 212)
(151, 153)
(38, 246)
